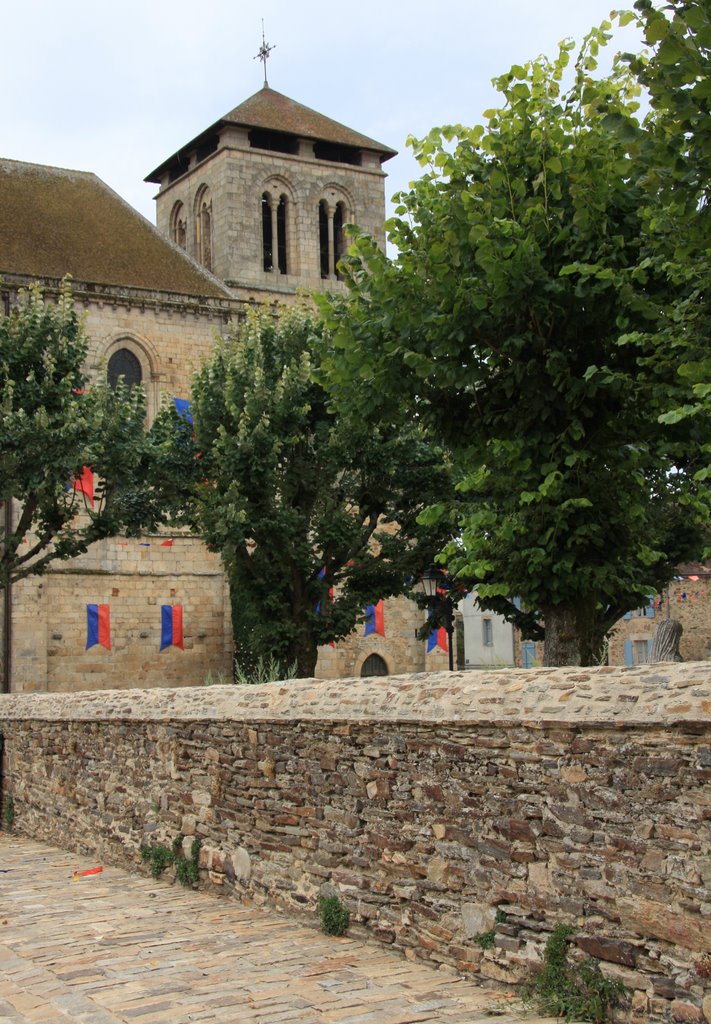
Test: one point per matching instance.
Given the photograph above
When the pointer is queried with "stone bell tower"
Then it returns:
(262, 196)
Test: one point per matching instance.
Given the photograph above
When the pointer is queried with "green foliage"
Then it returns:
(334, 916)
(160, 857)
(186, 869)
(575, 991)
(216, 679)
(526, 320)
(297, 500)
(486, 939)
(676, 72)
(8, 813)
(52, 425)
(263, 670)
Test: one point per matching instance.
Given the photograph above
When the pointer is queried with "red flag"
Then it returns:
(84, 484)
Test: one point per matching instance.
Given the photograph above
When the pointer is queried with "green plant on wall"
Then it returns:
(576, 991)
(186, 868)
(334, 916)
(160, 857)
(8, 813)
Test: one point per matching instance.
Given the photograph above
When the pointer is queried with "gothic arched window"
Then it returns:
(374, 665)
(123, 363)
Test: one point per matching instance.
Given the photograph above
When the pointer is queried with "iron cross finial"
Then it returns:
(264, 51)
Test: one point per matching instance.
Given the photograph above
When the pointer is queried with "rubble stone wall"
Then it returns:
(440, 807)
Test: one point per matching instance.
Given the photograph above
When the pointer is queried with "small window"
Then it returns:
(487, 631)
(276, 142)
(374, 665)
(124, 364)
(179, 225)
(641, 652)
(336, 153)
(203, 227)
(528, 654)
(637, 652)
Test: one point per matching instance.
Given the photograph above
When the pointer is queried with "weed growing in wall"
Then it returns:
(8, 813)
(576, 991)
(161, 857)
(186, 868)
(485, 939)
(334, 916)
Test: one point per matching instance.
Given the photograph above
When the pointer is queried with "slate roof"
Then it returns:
(271, 110)
(55, 222)
(693, 569)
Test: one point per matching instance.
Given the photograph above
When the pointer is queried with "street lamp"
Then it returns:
(435, 587)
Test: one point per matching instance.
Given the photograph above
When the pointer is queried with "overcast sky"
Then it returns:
(115, 88)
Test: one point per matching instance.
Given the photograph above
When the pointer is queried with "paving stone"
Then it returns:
(122, 949)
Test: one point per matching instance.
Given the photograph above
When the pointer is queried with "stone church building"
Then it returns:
(252, 210)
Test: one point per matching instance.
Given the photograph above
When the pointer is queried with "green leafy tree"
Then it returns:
(522, 320)
(676, 72)
(315, 517)
(54, 425)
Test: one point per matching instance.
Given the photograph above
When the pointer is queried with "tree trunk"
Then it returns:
(571, 636)
(304, 652)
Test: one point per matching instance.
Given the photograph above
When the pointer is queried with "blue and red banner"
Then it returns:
(321, 576)
(182, 407)
(98, 626)
(374, 619)
(171, 626)
(437, 638)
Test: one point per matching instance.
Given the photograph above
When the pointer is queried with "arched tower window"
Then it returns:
(274, 227)
(374, 665)
(123, 363)
(281, 235)
(338, 237)
(203, 227)
(332, 217)
(267, 240)
(179, 225)
(323, 246)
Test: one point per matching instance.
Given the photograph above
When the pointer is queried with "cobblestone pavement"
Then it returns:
(116, 947)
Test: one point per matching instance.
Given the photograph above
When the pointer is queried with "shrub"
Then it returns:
(575, 991)
(334, 916)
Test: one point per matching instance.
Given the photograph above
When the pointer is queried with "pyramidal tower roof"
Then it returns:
(272, 111)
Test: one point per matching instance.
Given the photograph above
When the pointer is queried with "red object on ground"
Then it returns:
(90, 871)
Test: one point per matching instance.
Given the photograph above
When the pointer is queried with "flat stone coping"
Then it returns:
(663, 693)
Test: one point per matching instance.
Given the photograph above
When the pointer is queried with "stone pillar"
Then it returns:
(331, 244)
(273, 204)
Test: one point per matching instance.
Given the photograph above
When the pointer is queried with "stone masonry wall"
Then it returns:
(438, 806)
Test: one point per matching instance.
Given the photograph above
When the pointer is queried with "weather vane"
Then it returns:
(264, 51)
